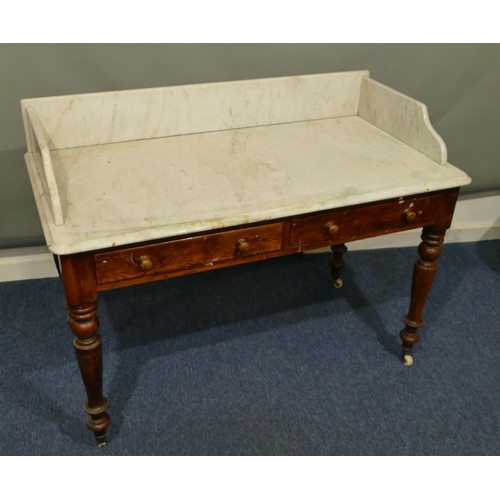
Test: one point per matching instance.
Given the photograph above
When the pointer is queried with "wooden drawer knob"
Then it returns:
(410, 215)
(242, 245)
(145, 263)
(332, 228)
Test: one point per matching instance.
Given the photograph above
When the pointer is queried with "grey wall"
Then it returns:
(459, 84)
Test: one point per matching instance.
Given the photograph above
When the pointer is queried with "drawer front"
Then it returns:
(159, 258)
(344, 223)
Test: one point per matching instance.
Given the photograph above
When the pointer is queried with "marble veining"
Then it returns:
(116, 168)
(107, 117)
(402, 117)
(46, 173)
(134, 191)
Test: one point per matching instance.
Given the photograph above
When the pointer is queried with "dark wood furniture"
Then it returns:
(144, 185)
(86, 274)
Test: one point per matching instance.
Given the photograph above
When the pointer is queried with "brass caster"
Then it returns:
(338, 283)
(407, 360)
(100, 440)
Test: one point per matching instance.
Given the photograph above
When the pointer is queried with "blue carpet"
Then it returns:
(265, 359)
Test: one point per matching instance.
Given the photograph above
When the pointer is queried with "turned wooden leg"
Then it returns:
(84, 324)
(423, 276)
(78, 274)
(337, 263)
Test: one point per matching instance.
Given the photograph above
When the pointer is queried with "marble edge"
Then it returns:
(30, 140)
(48, 170)
(442, 146)
(43, 209)
(149, 234)
(28, 100)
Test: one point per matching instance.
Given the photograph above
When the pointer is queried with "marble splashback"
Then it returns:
(115, 168)
(109, 117)
(402, 117)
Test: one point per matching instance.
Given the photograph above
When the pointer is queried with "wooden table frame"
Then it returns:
(84, 275)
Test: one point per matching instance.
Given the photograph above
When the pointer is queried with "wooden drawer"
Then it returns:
(343, 223)
(161, 258)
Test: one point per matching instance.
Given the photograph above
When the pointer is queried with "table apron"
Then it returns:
(120, 267)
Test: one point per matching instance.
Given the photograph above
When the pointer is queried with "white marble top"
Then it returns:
(128, 192)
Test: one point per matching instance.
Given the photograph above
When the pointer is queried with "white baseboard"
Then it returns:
(477, 217)
(26, 263)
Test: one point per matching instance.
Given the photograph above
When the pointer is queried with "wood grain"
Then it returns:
(359, 220)
(423, 276)
(200, 251)
(87, 273)
(78, 275)
(122, 271)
